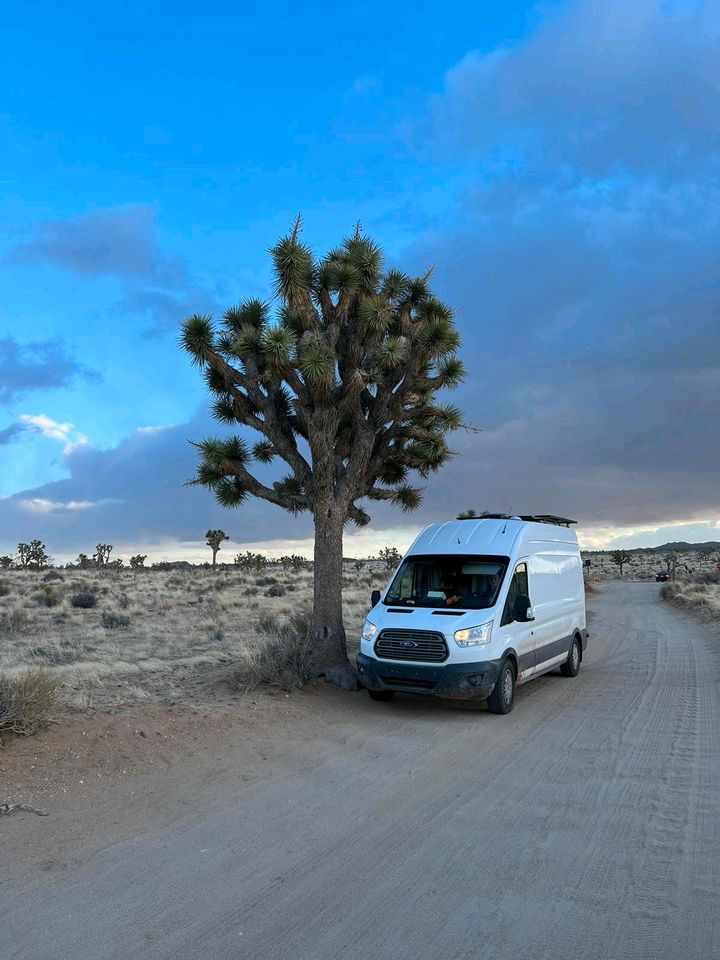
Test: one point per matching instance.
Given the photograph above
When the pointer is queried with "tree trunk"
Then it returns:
(328, 630)
(214, 553)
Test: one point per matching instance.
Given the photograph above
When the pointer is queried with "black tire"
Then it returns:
(502, 699)
(571, 667)
(381, 694)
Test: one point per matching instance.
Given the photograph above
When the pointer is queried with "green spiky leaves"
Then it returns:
(316, 361)
(293, 267)
(276, 346)
(264, 451)
(391, 352)
(252, 312)
(196, 337)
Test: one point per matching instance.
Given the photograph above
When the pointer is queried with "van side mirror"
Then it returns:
(374, 598)
(521, 609)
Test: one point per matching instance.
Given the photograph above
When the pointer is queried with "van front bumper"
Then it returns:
(455, 681)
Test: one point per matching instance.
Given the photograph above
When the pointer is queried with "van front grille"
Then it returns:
(418, 645)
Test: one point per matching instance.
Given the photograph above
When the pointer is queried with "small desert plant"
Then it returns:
(5, 590)
(13, 620)
(276, 590)
(26, 701)
(84, 599)
(47, 597)
(115, 621)
(123, 601)
(285, 659)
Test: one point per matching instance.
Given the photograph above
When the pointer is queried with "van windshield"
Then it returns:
(447, 580)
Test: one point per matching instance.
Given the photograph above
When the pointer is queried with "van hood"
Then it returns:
(428, 618)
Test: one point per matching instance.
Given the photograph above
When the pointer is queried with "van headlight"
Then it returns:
(369, 631)
(474, 636)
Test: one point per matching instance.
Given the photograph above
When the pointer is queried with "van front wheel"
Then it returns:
(571, 667)
(381, 694)
(502, 699)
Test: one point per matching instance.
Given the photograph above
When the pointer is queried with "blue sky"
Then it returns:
(557, 163)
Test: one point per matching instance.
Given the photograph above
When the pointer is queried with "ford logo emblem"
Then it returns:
(409, 643)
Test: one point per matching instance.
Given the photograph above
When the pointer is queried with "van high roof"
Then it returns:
(494, 535)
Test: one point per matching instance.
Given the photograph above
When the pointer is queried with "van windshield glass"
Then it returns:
(447, 580)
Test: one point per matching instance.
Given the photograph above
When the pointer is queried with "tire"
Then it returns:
(502, 699)
(571, 667)
(383, 695)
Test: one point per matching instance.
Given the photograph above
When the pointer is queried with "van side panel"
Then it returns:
(557, 595)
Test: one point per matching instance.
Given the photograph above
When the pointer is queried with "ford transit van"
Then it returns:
(476, 607)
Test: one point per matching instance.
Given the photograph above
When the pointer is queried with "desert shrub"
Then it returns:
(84, 599)
(67, 651)
(276, 590)
(285, 658)
(114, 621)
(266, 581)
(52, 575)
(5, 590)
(123, 601)
(13, 620)
(47, 597)
(26, 701)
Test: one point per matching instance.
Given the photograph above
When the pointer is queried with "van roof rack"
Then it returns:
(549, 518)
(536, 518)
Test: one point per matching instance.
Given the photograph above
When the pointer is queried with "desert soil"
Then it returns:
(321, 825)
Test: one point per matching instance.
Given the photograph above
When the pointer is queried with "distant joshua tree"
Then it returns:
(214, 538)
(6, 563)
(671, 561)
(620, 558)
(33, 555)
(390, 558)
(342, 385)
(102, 554)
(138, 562)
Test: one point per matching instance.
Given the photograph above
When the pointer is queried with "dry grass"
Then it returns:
(700, 595)
(26, 700)
(148, 636)
(284, 657)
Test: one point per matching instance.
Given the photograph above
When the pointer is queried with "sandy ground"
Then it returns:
(322, 825)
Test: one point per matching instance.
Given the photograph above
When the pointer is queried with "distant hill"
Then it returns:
(680, 546)
(683, 546)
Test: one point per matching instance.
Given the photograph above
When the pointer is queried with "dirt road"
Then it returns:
(583, 825)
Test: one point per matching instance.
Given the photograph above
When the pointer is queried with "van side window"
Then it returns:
(518, 587)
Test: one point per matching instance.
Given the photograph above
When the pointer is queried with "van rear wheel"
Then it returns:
(381, 694)
(571, 667)
(502, 699)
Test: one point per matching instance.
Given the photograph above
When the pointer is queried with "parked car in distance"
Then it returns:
(662, 577)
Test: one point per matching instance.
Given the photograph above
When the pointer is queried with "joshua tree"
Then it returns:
(138, 562)
(620, 557)
(6, 563)
(671, 561)
(33, 555)
(342, 387)
(214, 538)
(23, 550)
(390, 558)
(102, 554)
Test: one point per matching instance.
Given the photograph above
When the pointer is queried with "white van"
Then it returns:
(476, 607)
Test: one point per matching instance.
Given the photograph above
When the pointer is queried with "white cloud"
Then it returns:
(39, 505)
(47, 427)
(53, 430)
